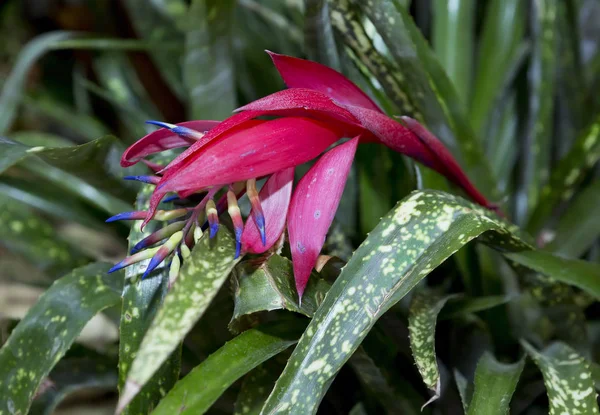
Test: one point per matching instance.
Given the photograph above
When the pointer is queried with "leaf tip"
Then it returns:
(129, 392)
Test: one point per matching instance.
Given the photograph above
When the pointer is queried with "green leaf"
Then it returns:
(374, 380)
(428, 88)
(96, 163)
(12, 88)
(419, 234)
(83, 125)
(500, 51)
(579, 227)
(568, 379)
(208, 63)
(73, 375)
(236, 358)
(256, 388)
(11, 153)
(42, 196)
(453, 42)
(461, 306)
(542, 79)
(465, 390)
(25, 232)
(581, 274)
(200, 278)
(424, 309)
(141, 301)
(154, 27)
(270, 286)
(318, 34)
(567, 175)
(48, 330)
(495, 384)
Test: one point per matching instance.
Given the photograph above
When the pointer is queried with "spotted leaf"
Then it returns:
(567, 377)
(420, 233)
(49, 329)
(141, 301)
(567, 175)
(424, 309)
(200, 278)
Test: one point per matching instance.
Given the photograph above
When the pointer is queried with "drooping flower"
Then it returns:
(319, 108)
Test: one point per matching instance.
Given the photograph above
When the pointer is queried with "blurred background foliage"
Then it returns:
(510, 86)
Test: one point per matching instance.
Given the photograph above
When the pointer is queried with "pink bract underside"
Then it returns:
(313, 207)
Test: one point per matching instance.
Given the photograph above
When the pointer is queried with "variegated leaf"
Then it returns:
(568, 379)
(424, 309)
(200, 278)
(419, 234)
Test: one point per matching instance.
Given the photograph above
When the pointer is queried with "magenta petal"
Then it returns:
(301, 102)
(313, 207)
(161, 140)
(453, 171)
(262, 149)
(396, 136)
(275, 199)
(225, 126)
(301, 73)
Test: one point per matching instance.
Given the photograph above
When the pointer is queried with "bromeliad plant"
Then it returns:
(320, 107)
(267, 269)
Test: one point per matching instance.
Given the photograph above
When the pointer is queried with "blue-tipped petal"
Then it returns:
(126, 216)
(238, 243)
(259, 219)
(214, 228)
(178, 129)
(117, 267)
(170, 199)
(154, 262)
(162, 124)
(143, 179)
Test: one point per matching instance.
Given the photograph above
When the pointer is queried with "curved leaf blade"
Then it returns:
(495, 384)
(71, 376)
(567, 377)
(582, 274)
(419, 234)
(12, 90)
(567, 175)
(236, 358)
(49, 328)
(422, 318)
(141, 302)
(271, 287)
(200, 278)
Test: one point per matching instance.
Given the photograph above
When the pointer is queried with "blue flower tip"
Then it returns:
(160, 124)
(116, 267)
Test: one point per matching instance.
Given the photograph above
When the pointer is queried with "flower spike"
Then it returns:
(158, 236)
(236, 217)
(143, 179)
(213, 217)
(257, 211)
(163, 252)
